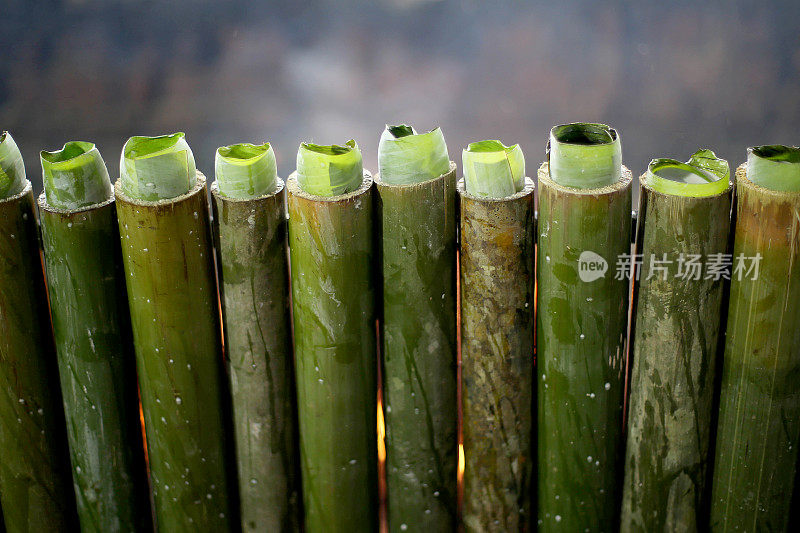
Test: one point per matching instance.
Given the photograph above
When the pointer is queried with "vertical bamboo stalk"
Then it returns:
(758, 431)
(418, 255)
(497, 277)
(677, 328)
(96, 364)
(581, 337)
(172, 294)
(252, 254)
(35, 482)
(333, 291)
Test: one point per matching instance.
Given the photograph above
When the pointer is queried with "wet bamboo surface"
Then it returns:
(497, 310)
(417, 239)
(35, 482)
(91, 324)
(677, 330)
(333, 274)
(254, 285)
(169, 269)
(759, 419)
(581, 351)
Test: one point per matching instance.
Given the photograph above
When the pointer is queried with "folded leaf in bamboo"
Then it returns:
(497, 277)
(329, 170)
(245, 171)
(172, 295)
(417, 226)
(758, 431)
(493, 170)
(35, 483)
(333, 298)
(684, 222)
(250, 231)
(91, 323)
(584, 233)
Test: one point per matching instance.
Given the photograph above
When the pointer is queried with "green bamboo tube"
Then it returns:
(250, 231)
(759, 419)
(333, 298)
(91, 323)
(497, 310)
(684, 213)
(417, 227)
(581, 337)
(169, 270)
(35, 483)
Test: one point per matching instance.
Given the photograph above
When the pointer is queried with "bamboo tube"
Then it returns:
(497, 277)
(581, 333)
(333, 295)
(250, 231)
(759, 419)
(92, 332)
(169, 270)
(417, 236)
(35, 484)
(684, 220)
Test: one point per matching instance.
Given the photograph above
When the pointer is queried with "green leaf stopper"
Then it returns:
(12, 168)
(157, 168)
(406, 157)
(329, 170)
(493, 170)
(75, 176)
(775, 167)
(584, 155)
(704, 174)
(246, 170)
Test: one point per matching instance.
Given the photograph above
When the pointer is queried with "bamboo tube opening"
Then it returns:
(157, 168)
(245, 170)
(75, 176)
(584, 155)
(703, 175)
(775, 167)
(329, 170)
(12, 168)
(406, 157)
(492, 169)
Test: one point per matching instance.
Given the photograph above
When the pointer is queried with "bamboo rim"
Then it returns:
(545, 180)
(293, 188)
(529, 188)
(417, 185)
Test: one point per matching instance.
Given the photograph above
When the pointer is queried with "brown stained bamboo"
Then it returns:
(497, 316)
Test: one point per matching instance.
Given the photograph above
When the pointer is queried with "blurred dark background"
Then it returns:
(670, 76)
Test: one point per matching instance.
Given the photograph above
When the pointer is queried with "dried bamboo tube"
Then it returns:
(497, 313)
